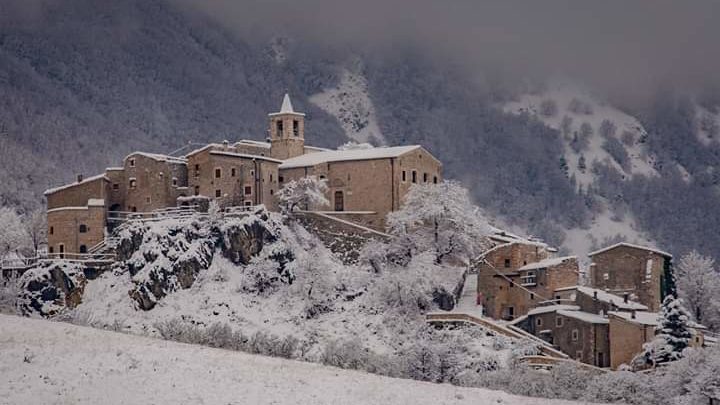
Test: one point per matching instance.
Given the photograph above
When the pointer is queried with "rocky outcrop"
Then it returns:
(50, 287)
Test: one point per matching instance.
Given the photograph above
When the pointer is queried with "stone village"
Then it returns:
(520, 284)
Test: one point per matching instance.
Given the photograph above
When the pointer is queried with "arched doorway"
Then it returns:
(339, 201)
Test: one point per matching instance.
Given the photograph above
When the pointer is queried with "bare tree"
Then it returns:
(307, 193)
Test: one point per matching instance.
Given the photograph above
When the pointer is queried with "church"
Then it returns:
(364, 185)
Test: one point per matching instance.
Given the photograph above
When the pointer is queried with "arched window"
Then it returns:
(83, 228)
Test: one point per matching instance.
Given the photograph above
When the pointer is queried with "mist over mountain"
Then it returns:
(86, 82)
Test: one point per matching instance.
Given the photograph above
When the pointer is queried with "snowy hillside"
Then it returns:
(567, 107)
(350, 103)
(43, 362)
(592, 132)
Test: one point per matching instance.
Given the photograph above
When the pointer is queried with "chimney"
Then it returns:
(632, 314)
(79, 178)
(625, 297)
(225, 143)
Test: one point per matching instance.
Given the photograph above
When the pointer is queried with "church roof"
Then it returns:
(287, 107)
(312, 159)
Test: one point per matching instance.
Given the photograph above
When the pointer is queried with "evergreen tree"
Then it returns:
(673, 334)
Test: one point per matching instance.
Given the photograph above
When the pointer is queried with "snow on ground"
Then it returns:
(563, 93)
(350, 103)
(43, 362)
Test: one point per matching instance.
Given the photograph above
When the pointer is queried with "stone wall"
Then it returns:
(592, 339)
(78, 194)
(627, 339)
(64, 228)
(625, 269)
(153, 180)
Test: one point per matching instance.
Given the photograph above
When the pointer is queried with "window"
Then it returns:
(233, 172)
(296, 128)
(148, 200)
(538, 321)
(218, 193)
(279, 127)
(339, 201)
(248, 203)
(174, 181)
(281, 179)
(132, 162)
(414, 176)
(271, 178)
(272, 192)
(575, 335)
(83, 228)
(133, 208)
(507, 262)
(532, 296)
(52, 230)
(52, 250)
(425, 177)
(435, 179)
(133, 182)
(197, 170)
(83, 249)
(197, 190)
(322, 176)
(529, 279)
(248, 190)
(116, 187)
(218, 173)
(559, 321)
(404, 176)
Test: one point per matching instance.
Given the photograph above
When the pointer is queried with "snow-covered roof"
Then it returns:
(630, 245)
(114, 169)
(641, 317)
(286, 107)
(583, 316)
(260, 144)
(77, 183)
(204, 148)
(547, 263)
(605, 296)
(552, 308)
(159, 157)
(244, 155)
(313, 159)
(317, 148)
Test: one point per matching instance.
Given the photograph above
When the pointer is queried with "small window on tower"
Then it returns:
(116, 187)
(279, 126)
(296, 128)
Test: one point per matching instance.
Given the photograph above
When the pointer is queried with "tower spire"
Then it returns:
(286, 105)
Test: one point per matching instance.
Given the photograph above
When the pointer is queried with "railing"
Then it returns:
(25, 263)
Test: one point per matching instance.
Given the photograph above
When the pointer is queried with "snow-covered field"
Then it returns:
(43, 362)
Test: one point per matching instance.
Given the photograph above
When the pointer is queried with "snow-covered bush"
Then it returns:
(14, 237)
(698, 286)
(9, 292)
(306, 193)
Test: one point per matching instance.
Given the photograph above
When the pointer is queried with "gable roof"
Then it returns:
(312, 159)
(583, 316)
(547, 263)
(159, 157)
(607, 298)
(630, 245)
(77, 183)
(251, 142)
(244, 155)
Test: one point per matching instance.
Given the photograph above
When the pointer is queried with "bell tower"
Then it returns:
(287, 132)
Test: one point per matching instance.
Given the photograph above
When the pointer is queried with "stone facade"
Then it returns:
(519, 276)
(643, 273)
(76, 229)
(582, 336)
(364, 184)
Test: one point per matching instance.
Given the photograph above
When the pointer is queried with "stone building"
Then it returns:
(364, 184)
(517, 276)
(596, 301)
(581, 335)
(642, 272)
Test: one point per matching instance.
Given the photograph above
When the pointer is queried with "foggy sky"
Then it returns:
(622, 46)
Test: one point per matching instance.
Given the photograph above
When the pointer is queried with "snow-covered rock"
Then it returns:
(51, 287)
